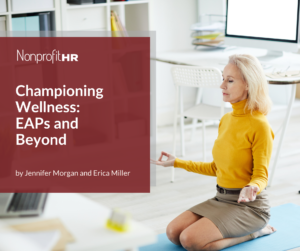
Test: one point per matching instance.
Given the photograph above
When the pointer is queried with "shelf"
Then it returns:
(96, 29)
(84, 6)
(128, 2)
(30, 11)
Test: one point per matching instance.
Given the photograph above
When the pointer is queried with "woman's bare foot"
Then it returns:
(265, 231)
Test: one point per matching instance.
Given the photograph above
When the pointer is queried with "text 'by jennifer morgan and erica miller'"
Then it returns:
(69, 174)
(43, 107)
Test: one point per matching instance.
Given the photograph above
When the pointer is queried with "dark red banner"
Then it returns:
(75, 114)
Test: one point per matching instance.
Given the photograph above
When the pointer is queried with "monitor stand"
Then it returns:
(271, 55)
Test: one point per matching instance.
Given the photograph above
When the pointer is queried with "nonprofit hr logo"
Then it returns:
(50, 57)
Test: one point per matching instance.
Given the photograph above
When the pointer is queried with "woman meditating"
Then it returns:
(240, 210)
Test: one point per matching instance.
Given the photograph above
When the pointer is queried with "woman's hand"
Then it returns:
(169, 162)
(248, 193)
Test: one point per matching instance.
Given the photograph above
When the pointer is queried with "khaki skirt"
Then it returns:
(235, 219)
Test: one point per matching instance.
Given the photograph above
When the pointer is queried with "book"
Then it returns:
(18, 26)
(32, 26)
(26, 26)
(114, 27)
(209, 36)
(119, 24)
(45, 24)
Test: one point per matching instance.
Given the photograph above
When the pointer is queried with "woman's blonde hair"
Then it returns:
(253, 75)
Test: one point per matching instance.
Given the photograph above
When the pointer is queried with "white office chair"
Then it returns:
(201, 77)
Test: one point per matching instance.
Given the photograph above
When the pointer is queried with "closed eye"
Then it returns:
(230, 81)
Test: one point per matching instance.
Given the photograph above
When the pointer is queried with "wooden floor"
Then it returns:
(167, 200)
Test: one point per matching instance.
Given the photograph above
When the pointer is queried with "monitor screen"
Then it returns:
(274, 20)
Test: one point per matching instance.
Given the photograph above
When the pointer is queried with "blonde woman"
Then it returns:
(240, 210)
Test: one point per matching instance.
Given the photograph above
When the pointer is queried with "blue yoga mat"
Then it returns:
(285, 218)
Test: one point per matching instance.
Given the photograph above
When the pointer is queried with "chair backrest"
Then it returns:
(195, 76)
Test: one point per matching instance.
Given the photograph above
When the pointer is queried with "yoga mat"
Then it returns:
(285, 218)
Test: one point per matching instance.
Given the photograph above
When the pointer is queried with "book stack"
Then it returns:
(117, 28)
(208, 35)
(32, 25)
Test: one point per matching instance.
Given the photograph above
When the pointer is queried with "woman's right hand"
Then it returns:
(169, 162)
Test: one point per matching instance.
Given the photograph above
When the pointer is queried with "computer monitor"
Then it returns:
(266, 24)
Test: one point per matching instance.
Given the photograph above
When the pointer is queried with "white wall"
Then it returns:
(171, 19)
(211, 7)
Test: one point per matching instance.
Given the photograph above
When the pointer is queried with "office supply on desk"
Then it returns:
(118, 221)
(33, 241)
(209, 34)
(217, 26)
(21, 204)
(283, 74)
(200, 77)
(48, 225)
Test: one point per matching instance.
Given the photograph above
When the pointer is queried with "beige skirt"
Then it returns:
(235, 219)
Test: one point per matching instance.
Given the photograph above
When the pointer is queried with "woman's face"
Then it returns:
(234, 88)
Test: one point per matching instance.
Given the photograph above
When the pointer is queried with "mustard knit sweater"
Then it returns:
(241, 152)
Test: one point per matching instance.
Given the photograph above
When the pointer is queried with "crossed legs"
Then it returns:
(195, 232)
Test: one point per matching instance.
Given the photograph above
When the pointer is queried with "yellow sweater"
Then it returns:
(241, 152)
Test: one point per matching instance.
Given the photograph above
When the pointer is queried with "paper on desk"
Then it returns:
(287, 74)
(46, 225)
(213, 27)
(33, 241)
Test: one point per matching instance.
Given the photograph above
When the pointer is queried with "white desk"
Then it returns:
(219, 58)
(85, 219)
